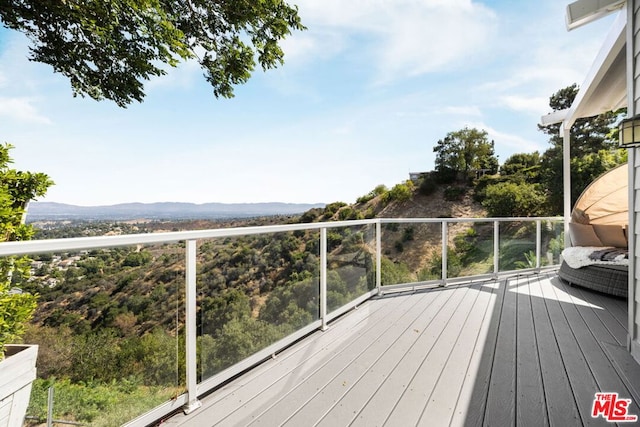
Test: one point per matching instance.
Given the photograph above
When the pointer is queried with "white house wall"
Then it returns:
(633, 95)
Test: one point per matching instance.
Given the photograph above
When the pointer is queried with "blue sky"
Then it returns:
(363, 96)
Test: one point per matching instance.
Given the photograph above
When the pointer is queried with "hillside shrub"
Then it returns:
(137, 259)
(508, 199)
(400, 193)
(454, 193)
(393, 273)
(331, 209)
(408, 234)
(446, 175)
(378, 191)
(309, 216)
(427, 186)
(348, 213)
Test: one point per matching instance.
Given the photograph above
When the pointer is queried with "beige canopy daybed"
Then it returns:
(597, 257)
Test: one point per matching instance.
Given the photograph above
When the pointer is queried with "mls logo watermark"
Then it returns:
(612, 409)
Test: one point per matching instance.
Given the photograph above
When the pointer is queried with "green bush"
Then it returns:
(428, 185)
(408, 234)
(394, 273)
(508, 199)
(331, 209)
(454, 193)
(97, 404)
(348, 213)
(399, 192)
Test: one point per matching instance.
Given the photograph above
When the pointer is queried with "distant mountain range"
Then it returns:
(40, 211)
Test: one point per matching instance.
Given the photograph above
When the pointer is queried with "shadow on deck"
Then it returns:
(524, 350)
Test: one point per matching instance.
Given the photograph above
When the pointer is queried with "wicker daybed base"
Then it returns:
(610, 279)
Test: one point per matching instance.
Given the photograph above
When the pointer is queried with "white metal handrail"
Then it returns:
(189, 400)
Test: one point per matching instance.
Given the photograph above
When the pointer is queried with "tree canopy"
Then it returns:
(16, 189)
(525, 165)
(108, 49)
(594, 150)
(464, 151)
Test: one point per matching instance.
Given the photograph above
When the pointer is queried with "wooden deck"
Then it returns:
(526, 350)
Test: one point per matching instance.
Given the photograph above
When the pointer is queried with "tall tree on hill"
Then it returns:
(107, 49)
(462, 152)
(593, 150)
(525, 166)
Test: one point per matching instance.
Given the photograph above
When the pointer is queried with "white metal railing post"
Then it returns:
(379, 256)
(190, 329)
(496, 248)
(323, 277)
(445, 232)
(538, 243)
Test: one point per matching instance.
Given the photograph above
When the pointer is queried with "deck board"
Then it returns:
(477, 401)
(385, 367)
(525, 350)
(445, 395)
(501, 400)
(590, 338)
(378, 409)
(417, 396)
(583, 385)
(302, 377)
(474, 378)
(607, 310)
(530, 398)
(332, 384)
(560, 402)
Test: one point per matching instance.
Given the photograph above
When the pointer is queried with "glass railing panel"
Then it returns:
(470, 250)
(351, 255)
(552, 242)
(517, 245)
(253, 291)
(411, 252)
(110, 330)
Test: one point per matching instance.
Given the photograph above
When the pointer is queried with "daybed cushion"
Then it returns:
(583, 235)
(610, 235)
(579, 216)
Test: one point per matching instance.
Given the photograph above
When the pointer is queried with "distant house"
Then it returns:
(415, 176)
(480, 172)
(62, 265)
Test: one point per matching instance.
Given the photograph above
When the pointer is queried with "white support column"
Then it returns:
(566, 178)
(445, 233)
(633, 341)
(496, 248)
(538, 243)
(379, 256)
(191, 329)
(323, 278)
(631, 296)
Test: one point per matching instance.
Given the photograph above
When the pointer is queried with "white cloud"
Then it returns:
(517, 142)
(464, 110)
(405, 38)
(540, 58)
(533, 105)
(311, 46)
(21, 109)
